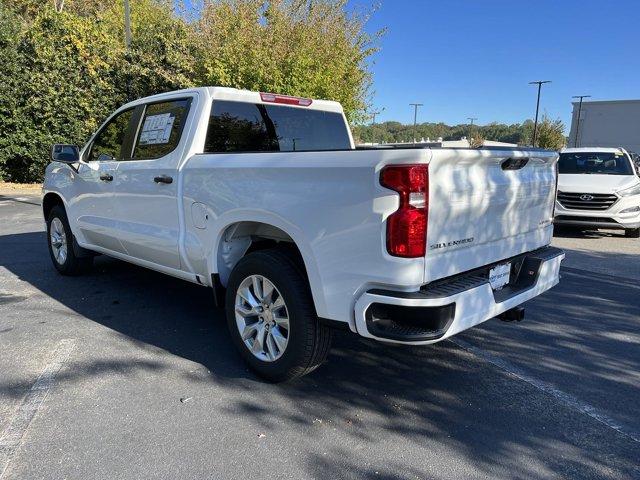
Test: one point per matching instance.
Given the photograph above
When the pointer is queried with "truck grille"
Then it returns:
(586, 201)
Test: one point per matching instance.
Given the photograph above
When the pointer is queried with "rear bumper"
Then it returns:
(455, 304)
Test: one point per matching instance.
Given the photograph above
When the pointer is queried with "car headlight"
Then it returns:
(635, 190)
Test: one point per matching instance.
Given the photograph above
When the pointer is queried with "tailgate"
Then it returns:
(487, 205)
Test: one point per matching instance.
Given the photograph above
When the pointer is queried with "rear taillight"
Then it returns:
(407, 226)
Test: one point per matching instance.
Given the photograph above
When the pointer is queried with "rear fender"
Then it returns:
(224, 225)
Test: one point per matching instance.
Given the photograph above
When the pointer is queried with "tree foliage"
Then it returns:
(65, 65)
(550, 132)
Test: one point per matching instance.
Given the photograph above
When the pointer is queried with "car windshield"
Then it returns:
(601, 163)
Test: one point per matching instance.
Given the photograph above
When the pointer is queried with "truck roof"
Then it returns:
(593, 149)
(235, 94)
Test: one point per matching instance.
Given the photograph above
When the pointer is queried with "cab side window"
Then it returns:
(239, 127)
(161, 129)
(108, 143)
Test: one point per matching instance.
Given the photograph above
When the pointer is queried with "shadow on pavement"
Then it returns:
(28, 198)
(436, 398)
(589, 233)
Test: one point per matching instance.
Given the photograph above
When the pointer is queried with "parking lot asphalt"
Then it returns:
(126, 373)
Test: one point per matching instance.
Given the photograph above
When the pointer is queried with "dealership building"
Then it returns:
(610, 123)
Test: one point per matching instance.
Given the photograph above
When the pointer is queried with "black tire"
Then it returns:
(632, 233)
(73, 264)
(309, 341)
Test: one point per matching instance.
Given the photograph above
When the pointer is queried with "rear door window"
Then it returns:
(161, 129)
(249, 127)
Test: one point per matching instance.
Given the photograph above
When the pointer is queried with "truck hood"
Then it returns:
(588, 183)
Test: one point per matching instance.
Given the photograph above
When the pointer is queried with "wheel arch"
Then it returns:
(239, 238)
(50, 200)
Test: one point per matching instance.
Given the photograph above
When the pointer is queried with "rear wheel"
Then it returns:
(632, 233)
(271, 317)
(62, 247)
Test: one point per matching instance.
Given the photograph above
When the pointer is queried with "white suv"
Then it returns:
(598, 187)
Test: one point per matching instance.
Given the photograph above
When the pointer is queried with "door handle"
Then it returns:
(106, 177)
(163, 179)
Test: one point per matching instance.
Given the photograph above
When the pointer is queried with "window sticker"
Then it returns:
(156, 129)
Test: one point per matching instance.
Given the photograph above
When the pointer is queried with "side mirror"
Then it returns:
(63, 153)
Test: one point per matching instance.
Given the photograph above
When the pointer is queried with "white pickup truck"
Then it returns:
(265, 199)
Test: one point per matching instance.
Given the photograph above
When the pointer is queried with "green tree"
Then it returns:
(11, 125)
(61, 85)
(551, 134)
(310, 48)
(396, 132)
(65, 66)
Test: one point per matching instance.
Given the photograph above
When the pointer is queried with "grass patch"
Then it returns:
(20, 187)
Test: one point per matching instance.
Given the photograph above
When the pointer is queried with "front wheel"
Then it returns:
(61, 244)
(271, 317)
(632, 233)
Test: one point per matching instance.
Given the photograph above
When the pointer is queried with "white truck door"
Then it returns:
(92, 207)
(146, 187)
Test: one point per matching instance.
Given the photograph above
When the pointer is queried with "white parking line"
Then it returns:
(565, 398)
(11, 438)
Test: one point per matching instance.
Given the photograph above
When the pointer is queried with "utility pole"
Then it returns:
(415, 118)
(575, 143)
(127, 44)
(375, 114)
(535, 123)
(127, 25)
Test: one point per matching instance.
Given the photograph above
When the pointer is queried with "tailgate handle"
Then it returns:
(514, 163)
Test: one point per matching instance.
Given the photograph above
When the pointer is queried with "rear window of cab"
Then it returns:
(249, 127)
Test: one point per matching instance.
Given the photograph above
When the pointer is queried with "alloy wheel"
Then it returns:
(262, 318)
(58, 239)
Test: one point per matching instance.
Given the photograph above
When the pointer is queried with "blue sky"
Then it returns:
(464, 58)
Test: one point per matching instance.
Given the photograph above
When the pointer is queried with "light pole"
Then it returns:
(415, 118)
(471, 119)
(535, 123)
(575, 143)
